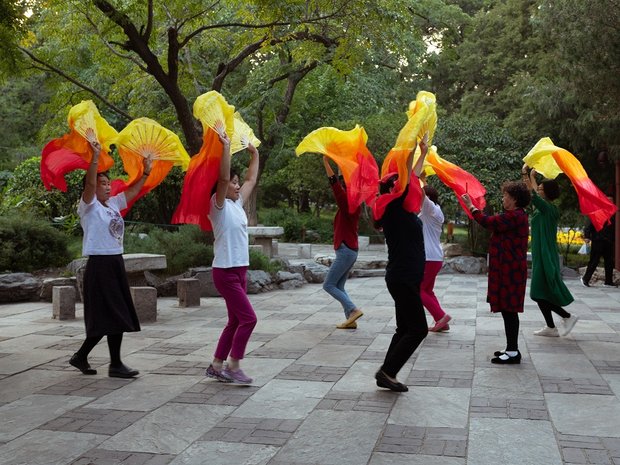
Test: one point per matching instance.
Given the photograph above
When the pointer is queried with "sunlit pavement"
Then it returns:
(314, 400)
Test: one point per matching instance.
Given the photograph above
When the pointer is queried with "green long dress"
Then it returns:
(547, 281)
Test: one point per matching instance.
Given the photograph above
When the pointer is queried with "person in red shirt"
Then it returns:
(346, 247)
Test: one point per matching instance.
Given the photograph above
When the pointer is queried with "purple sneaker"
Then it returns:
(237, 376)
(219, 375)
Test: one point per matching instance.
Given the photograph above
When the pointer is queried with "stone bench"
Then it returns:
(188, 291)
(63, 302)
(264, 236)
(145, 302)
(135, 266)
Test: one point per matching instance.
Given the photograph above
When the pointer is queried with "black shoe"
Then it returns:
(82, 365)
(385, 382)
(122, 371)
(511, 360)
(497, 353)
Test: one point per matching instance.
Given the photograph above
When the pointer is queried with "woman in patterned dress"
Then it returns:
(507, 262)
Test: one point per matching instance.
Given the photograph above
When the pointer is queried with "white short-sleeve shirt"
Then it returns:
(432, 222)
(230, 230)
(103, 226)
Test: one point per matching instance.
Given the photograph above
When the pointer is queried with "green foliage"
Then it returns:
(260, 261)
(26, 194)
(300, 227)
(189, 247)
(29, 244)
(483, 148)
(158, 205)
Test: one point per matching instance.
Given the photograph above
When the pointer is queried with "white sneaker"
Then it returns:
(547, 331)
(568, 324)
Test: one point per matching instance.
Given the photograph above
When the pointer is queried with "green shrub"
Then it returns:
(301, 227)
(29, 244)
(189, 247)
(260, 261)
(25, 193)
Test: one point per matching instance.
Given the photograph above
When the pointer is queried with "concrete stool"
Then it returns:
(145, 301)
(188, 290)
(363, 242)
(304, 251)
(63, 302)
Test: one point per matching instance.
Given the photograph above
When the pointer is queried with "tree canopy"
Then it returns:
(505, 72)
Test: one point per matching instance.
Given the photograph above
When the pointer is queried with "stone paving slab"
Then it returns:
(313, 399)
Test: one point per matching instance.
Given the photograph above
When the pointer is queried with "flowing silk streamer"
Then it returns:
(214, 113)
(422, 119)
(456, 178)
(550, 160)
(145, 138)
(348, 150)
(72, 151)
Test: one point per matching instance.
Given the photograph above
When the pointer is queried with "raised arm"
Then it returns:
(529, 180)
(328, 167)
(251, 175)
(134, 189)
(417, 169)
(224, 175)
(90, 187)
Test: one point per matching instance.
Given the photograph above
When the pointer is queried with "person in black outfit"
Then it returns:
(602, 245)
(404, 272)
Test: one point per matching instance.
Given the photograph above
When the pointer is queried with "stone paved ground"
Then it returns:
(314, 400)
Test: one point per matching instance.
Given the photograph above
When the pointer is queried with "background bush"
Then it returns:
(185, 248)
(25, 193)
(300, 227)
(29, 244)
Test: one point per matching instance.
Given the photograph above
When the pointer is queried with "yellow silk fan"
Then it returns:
(85, 116)
(214, 112)
(242, 135)
(148, 139)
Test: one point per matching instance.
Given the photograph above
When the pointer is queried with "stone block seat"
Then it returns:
(145, 301)
(264, 236)
(63, 302)
(188, 290)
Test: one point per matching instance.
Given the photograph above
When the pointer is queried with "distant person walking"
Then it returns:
(547, 288)
(108, 306)
(346, 247)
(507, 262)
(601, 246)
(432, 225)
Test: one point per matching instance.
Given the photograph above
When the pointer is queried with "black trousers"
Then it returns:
(411, 326)
(547, 307)
(511, 326)
(604, 250)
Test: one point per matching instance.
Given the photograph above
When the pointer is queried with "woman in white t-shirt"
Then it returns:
(108, 306)
(230, 264)
(432, 223)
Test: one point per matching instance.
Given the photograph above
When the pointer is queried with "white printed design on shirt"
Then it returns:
(117, 225)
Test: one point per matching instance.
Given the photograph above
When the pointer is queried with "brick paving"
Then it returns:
(310, 404)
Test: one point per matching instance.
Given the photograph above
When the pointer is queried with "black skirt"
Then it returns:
(108, 306)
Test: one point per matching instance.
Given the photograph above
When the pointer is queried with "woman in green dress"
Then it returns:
(547, 288)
